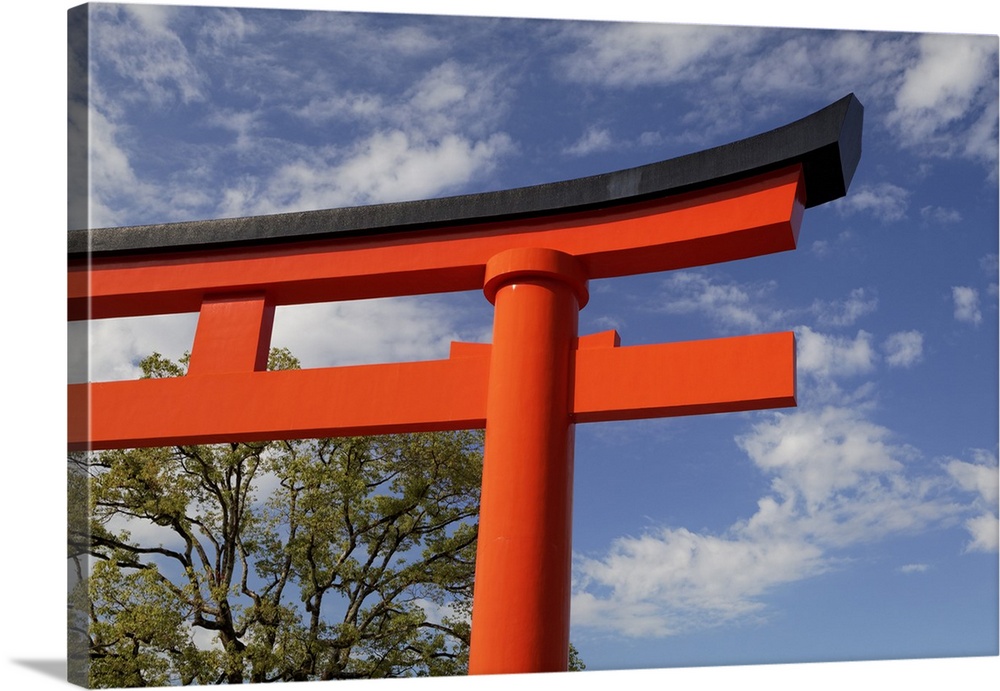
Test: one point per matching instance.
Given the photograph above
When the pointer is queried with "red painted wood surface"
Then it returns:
(524, 547)
(625, 383)
(735, 221)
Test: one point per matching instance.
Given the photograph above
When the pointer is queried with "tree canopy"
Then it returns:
(280, 561)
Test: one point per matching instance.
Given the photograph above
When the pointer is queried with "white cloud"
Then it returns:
(981, 138)
(118, 194)
(949, 73)
(441, 89)
(966, 301)
(453, 97)
(411, 41)
(110, 349)
(939, 91)
(205, 639)
(369, 40)
(817, 64)
(418, 137)
(884, 201)
(985, 531)
(651, 139)
(137, 43)
(821, 248)
(384, 167)
(914, 568)
(244, 124)
(144, 532)
(941, 215)
(845, 313)
(438, 136)
(981, 477)
(819, 453)
(904, 348)
(990, 264)
(633, 54)
(365, 331)
(436, 613)
(824, 356)
(743, 307)
(111, 172)
(946, 103)
(348, 105)
(837, 480)
(593, 140)
(670, 580)
(224, 29)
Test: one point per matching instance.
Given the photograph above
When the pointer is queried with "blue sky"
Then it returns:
(862, 524)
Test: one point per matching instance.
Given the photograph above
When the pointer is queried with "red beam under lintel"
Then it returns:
(721, 375)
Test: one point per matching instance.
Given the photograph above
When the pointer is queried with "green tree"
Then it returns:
(281, 561)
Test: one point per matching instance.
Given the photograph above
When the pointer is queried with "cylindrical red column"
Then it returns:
(520, 612)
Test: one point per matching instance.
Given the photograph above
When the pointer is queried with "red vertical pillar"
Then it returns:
(520, 613)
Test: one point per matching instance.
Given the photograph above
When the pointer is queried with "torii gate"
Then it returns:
(532, 251)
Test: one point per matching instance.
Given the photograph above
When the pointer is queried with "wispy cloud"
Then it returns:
(110, 349)
(946, 104)
(818, 454)
(938, 92)
(837, 480)
(138, 44)
(728, 304)
(940, 215)
(672, 580)
(966, 301)
(429, 132)
(826, 356)
(985, 533)
(845, 312)
(386, 166)
(369, 331)
(904, 348)
(628, 55)
(884, 201)
(990, 264)
(981, 478)
(593, 140)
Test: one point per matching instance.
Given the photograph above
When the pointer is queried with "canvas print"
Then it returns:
(411, 345)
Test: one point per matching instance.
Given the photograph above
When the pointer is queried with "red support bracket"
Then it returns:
(233, 334)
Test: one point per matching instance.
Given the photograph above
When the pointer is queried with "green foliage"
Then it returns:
(281, 561)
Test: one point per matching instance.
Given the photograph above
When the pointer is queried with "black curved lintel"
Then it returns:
(826, 143)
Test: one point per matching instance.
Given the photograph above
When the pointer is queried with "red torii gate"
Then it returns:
(532, 251)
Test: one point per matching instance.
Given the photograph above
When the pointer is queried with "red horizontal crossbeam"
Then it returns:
(747, 218)
(720, 375)
(610, 383)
